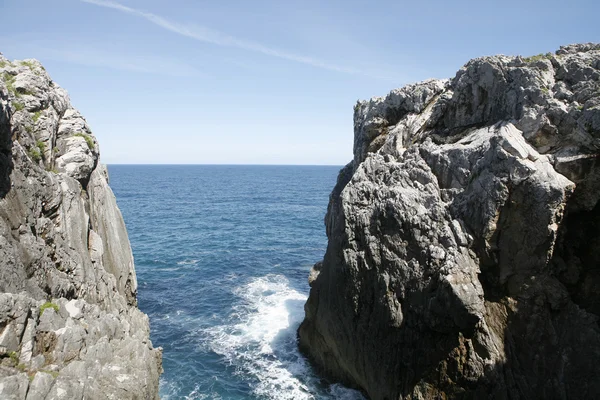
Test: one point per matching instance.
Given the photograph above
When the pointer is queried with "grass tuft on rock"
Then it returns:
(35, 154)
(538, 57)
(14, 357)
(88, 139)
(29, 64)
(48, 305)
(9, 80)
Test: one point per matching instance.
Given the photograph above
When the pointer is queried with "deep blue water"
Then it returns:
(222, 257)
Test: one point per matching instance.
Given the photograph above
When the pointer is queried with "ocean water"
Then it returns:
(222, 256)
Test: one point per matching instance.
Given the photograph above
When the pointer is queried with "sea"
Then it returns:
(222, 255)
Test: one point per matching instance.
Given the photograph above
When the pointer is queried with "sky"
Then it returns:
(262, 81)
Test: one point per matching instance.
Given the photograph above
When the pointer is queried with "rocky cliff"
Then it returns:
(69, 323)
(464, 238)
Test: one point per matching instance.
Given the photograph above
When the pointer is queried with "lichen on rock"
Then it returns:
(464, 237)
(69, 322)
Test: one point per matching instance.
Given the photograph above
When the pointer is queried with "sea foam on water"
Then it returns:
(260, 341)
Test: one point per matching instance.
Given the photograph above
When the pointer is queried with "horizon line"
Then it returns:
(228, 165)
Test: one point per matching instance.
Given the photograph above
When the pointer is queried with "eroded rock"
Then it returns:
(69, 325)
(463, 237)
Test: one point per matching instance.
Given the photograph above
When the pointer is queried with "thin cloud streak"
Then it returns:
(220, 39)
(149, 65)
(77, 54)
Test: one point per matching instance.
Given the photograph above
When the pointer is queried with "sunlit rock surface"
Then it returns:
(69, 323)
(464, 238)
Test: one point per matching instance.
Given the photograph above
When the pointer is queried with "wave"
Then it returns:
(188, 262)
(259, 340)
(172, 391)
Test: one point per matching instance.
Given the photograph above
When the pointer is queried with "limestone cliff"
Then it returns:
(464, 238)
(69, 323)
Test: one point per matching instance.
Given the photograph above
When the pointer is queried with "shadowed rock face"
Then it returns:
(464, 240)
(69, 325)
(5, 150)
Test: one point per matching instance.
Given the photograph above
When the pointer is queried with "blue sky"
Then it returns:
(262, 82)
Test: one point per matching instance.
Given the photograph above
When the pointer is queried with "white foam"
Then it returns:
(340, 392)
(260, 341)
(187, 262)
(172, 391)
(168, 269)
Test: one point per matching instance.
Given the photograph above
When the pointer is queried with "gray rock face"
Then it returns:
(69, 325)
(464, 237)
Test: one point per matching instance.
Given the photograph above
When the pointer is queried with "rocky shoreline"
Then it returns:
(69, 323)
(464, 237)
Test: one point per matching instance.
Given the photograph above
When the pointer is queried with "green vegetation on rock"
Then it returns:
(35, 155)
(14, 357)
(88, 139)
(538, 57)
(9, 80)
(28, 64)
(47, 305)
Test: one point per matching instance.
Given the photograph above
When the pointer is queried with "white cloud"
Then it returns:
(207, 35)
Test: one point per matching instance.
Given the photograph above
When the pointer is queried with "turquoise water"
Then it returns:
(222, 257)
